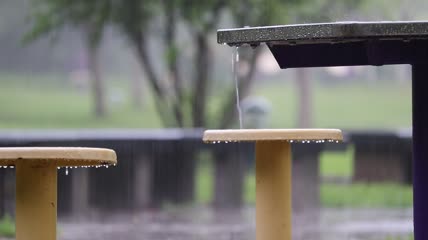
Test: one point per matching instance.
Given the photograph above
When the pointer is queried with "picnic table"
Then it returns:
(353, 44)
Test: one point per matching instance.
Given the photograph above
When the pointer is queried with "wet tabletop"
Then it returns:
(324, 32)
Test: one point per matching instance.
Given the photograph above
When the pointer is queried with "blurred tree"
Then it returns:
(50, 16)
(182, 100)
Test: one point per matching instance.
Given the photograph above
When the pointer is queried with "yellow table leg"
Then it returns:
(36, 201)
(273, 190)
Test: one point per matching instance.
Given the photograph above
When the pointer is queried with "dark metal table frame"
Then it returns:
(353, 44)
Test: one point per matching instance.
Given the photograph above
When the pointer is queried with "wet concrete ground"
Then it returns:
(206, 224)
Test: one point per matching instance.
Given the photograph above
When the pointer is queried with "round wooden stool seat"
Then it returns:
(36, 183)
(59, 156)
(232, 135)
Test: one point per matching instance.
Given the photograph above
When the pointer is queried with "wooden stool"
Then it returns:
(273, 172)
(36, 183)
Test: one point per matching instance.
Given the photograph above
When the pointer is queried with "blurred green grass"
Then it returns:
(354, 195)
(51, 102)
(7, 227)
(337, 164)
(379, 195)
(204, 179)
(349, 106)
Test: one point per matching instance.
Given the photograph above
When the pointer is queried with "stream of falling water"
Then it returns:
(235, 62)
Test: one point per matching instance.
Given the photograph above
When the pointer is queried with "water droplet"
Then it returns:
(291, 141)
(66, 170)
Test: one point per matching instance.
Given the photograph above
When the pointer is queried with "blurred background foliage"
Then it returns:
(159, 59)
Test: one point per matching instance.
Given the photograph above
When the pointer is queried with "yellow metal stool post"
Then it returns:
(273, 172)
(273, 190)
(36, 184)
(36, 201)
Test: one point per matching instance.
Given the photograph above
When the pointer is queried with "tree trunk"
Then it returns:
(137, 89)
(229, 171)
(172, 61)
(306, 185)
(98, 88)
(303, 84)
(306, 182)
(159, 93)
(202, 63)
